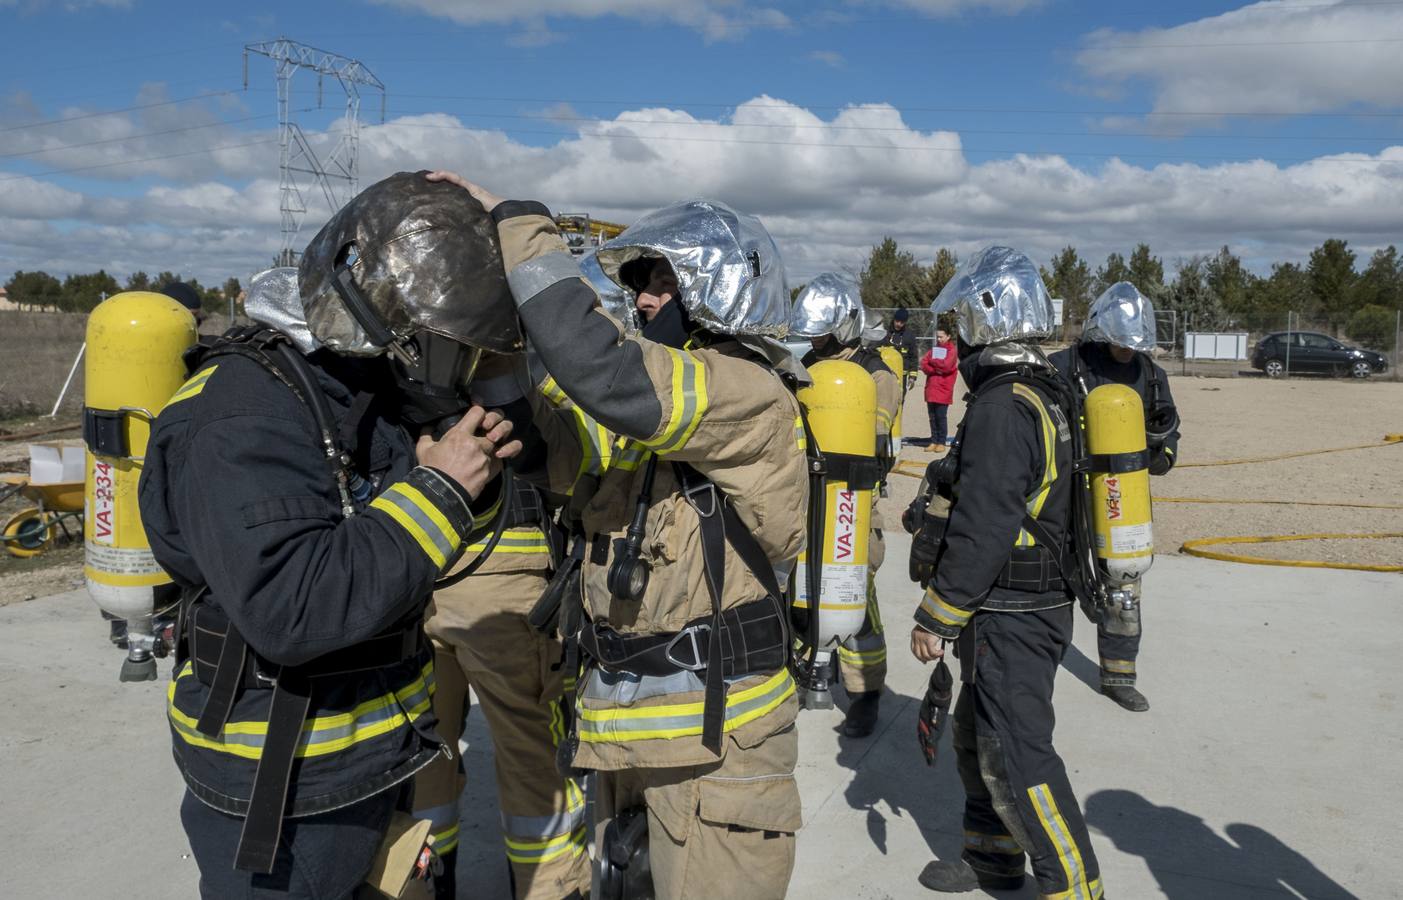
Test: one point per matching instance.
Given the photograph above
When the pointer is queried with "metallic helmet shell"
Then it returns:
(615, 300)
(426, 257)
(729, 271)
(830, 304)
(1122, 316)
(998, 296)
(273, 300)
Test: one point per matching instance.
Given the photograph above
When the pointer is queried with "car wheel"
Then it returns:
(1274, 368)
(1361, 369)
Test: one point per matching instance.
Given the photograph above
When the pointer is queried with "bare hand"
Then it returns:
(489, 200)
(925, 646)
(472, 451)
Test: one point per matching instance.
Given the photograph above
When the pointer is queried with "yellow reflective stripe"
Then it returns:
(192, 387)
(800, 438)
(321, 735)
(551, 390)
(446, 841)
(538, 852)
(590, 455)
(992, 843)
(418, 516)
(689, 402)
(1096, 892)
(515, 540)
(1126, 666)
(1068, 854)
(628, 456)
(863, 658)
(943, 612)
(676, 720)
(602, 444)
(1049, 441)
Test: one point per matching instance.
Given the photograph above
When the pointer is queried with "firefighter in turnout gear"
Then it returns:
(1115, 348)
(998, 590)
(686, 705)
(484, 638)
(285, 493)
(829, 312)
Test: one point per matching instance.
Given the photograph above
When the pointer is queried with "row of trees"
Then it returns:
(1212, 292)
(80, 293)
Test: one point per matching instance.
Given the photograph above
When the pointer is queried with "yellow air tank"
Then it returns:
(135, 343)
(892, 357)
(841, 409)
(1120, 483)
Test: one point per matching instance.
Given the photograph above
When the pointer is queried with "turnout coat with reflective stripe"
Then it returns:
(237, 495)
(731, 418)
(1015, 460)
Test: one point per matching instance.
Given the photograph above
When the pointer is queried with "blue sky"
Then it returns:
(1033, 123)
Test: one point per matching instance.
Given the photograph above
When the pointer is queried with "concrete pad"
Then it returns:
(1266, 766)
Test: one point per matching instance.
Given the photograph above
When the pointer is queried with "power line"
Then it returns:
(128, 162)
(133, 137)
(113, 112)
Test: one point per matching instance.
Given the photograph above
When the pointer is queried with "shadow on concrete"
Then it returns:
(1189, 860)
(1084, 669)
(931, 796)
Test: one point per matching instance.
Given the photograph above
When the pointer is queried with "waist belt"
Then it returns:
(224, 663)
(752, 638)
(1031, 569)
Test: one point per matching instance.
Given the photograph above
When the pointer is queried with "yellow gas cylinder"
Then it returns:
(841, 409)
(1120, 483)
(892, 357)
(135, 342)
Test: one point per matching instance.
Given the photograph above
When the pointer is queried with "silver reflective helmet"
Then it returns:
(273, 300)
(830, 304)
(1122, 316)
(729, 271)
(615, 300)
(998, 296)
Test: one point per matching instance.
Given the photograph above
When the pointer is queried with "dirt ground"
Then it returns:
(1236, 418)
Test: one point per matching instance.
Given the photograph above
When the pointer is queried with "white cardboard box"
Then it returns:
(53, 462)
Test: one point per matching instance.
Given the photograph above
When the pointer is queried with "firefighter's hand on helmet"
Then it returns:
(925, 646)
(472, 451)
(489, 200)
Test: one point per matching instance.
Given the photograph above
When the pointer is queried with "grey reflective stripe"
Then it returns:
(607, 727)
(535, 275)
(873, 641)
(541, 828)
(623, 688)
(421, 519)
(674, 439)
(441, 817)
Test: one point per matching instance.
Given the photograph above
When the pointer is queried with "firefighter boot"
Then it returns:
(861, 719)
(957, 877)
(1127, 696)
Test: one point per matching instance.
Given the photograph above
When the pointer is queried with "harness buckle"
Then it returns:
(690, 633)
(706, 487)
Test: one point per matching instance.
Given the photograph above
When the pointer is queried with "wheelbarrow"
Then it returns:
(58, 510)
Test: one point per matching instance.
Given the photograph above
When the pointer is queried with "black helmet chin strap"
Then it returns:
(376, 331)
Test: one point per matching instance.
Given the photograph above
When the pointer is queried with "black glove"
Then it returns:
(935, 711)
(1161, 422)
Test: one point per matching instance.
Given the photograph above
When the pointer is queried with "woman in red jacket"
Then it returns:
(940, 365)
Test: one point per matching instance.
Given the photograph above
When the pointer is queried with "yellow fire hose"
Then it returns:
(1388, 440)
(1194, 548)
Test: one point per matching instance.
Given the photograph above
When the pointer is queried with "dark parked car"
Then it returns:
(1302, 352)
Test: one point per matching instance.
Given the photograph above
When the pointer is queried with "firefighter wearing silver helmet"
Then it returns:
(686, 705)
(997, 591)
(289, 493)
(829, 312)
(1115, 348)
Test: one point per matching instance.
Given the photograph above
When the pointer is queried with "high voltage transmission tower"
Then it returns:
(299, 167)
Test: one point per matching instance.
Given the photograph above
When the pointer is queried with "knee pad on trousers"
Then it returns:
(624, 869)
(995, 775)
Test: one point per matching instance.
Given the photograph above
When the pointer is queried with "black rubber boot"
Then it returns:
(446, 881)
(861, 720)
(956, 877)
(1127, 696)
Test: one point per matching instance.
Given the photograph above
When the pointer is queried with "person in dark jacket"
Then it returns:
(294, 499)
(997, 593)
(905, 342)
(1114, 349)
